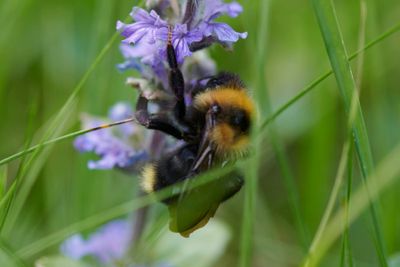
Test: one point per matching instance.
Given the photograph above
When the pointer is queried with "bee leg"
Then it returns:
(176, 82)
(206, 151)
(159, 121)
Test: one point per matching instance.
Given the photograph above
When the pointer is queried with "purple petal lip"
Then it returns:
(120, 111)
(223, 32)
(145, 25)
(111, 144)
(108, 244)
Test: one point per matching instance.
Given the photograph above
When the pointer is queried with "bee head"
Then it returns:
(233, 111)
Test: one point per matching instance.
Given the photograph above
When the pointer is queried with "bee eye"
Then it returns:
(240, 120)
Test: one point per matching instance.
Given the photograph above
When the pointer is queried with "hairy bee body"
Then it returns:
(169, 169)
(219, 118)
(212, 117)
(192, 210)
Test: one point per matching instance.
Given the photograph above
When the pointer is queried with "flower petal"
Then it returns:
(145, 25)
(224, 33)
(108, 244)
(112, 145)
(216, 8)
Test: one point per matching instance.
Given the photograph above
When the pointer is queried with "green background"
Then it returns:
(47, 46)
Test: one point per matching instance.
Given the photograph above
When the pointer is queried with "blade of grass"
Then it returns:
(251, 176)
(361, 43)
(327, 20)
(346, 153)
(9, 197)
(3, 181)
(278, 147)
(123, 209)
(386, 173)
(332, 199)
(321, 78)
(346, 254)
(60, 138)
(55, 126)
(8, 258)
(263, 125)
(64, 112)
(27, 178)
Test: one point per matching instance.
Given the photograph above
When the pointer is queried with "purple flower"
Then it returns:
(146, 25)
(121, 111)
(149, 34)
(144, 57)
(113, 147)
(181, 39)
(108, 244)
(215, 8)
(222, 32)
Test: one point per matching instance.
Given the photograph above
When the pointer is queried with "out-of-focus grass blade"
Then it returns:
(8, 258)
(321, 78)
(332, 199)
(262, 94)
(251, 175)
(58, 139)
(346, 254)
(3, 181)
(386, 173)
(28, 175)
(327, 20)
(263, 125)
(7, 200)
(55, 128)
(346, 249)
(118, 211)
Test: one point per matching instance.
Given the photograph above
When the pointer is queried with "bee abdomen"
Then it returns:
(170, 169)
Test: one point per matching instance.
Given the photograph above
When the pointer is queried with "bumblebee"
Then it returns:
(214, 126)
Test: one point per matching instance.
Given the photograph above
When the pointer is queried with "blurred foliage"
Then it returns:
(46, 46)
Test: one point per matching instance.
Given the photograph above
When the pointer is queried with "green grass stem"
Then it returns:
(251, 176)
(386, 173)
(327, 20)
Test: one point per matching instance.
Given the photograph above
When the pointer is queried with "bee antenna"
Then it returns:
(169, 38)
